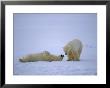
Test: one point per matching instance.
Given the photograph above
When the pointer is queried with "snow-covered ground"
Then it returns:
(57, 68)
(86, 66)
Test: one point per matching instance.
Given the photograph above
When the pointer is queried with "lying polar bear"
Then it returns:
(43, 56)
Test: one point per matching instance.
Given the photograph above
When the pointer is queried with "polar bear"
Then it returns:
(73, 49)
(43, 56)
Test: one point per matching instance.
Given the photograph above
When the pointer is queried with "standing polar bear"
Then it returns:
(73, 50)
(43, 56)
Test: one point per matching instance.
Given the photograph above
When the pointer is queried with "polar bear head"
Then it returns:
(60, 57)
(66, 49)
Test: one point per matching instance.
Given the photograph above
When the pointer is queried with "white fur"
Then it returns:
(44, 56)
(75, 46)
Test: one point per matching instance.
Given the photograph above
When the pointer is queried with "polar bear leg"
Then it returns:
(74, 56)
(71, 56)
(77, 58)
(79, 51)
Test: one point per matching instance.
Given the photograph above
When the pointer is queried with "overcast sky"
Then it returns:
(37, 32)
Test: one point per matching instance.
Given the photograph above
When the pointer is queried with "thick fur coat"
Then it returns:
(43, 56)
(73, 49)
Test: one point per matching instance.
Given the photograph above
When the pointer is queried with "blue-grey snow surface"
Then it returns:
(86, 66)
(57, 68)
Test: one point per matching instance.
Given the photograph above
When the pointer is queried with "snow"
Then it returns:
(86, 66)
(57, 68)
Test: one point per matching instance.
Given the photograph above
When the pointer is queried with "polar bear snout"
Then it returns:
(60, 57)
(65, 53)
